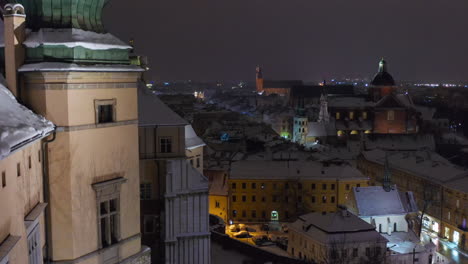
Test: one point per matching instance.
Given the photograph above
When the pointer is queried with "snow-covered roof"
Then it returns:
(73, 37)
(152, 111)
(265, 169)
(18, 124)
(375, 201)
(399, 141)
(191, 139)
(337, 227)
(317, 129)
(425, 164)
(62, 66)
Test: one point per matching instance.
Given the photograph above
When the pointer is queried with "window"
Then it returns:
(244, 198)
(254, 185)
(344, 253)
(109, 221)
(324, 186)
(244, 185)
(234, 213)
(217, 204)
(145, 191)
(263, 214)
(234, 198)
(458, 203)
(313, 186)
(333, 199)
(367, 252)
(198, 162)
(337, 115)
(324, 199)
(39, 155)
(313, 199)
(364, 115)
(29, 162)
(390, 115)
(355, 252)
(3, 179)
(347, 187)
(358, 185)
(165, 144)
(244, 214)
(299, 186)
(351, 115)
(378, 251)
(448, 216)
(263, 199)
(332, 187)
(191, 162)
(233, 185)
(254, 214)
(105, 111)
(254, 199)
(149, 224)
(18, 169)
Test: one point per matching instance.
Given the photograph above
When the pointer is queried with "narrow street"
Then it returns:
(446, 248)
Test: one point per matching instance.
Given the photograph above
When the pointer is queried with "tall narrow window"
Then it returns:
(18, 169)
(108, 210)
(165, 144)
(149, 224)
(105, 111)
(198, 162)
(29, 162)
(390, 115)
(3, 179)
(145, 191)
(39, 155)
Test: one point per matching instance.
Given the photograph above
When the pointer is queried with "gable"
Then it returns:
(389, 101)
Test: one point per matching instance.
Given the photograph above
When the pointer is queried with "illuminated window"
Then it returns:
(390, 115)
(364, 115)
(337, 115)
(340, 133)
(351, 115)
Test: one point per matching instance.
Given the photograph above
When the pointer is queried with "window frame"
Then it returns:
(103, 102)
(165, 147)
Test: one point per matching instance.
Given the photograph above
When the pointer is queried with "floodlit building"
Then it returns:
(439, 188)
(79, 77)
(173, 190)
(271, 190)
(338, 237)
(23, 135)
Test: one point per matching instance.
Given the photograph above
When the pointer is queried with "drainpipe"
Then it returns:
(45, 183)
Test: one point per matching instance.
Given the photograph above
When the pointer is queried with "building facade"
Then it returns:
(263, 191)
(173, 190)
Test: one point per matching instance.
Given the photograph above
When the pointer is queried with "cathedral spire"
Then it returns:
(387, 175)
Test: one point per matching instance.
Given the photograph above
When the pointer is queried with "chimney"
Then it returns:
(14, 20)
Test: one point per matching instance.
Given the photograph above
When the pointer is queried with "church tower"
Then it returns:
(324, 116)
(383, 83)
(259, 79)
(80, 77)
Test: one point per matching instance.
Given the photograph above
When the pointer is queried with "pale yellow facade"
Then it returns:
(19, 195)
(86, 154)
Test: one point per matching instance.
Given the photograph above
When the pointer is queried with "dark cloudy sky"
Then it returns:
(296, 39)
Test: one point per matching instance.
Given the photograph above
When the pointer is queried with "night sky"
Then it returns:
(296, 39)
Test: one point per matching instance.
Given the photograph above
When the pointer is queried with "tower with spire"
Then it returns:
(383, 83)
(301, 123)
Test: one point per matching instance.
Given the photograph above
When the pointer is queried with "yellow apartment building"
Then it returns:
(262, 191)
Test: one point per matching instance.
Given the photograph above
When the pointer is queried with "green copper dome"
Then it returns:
(80, 14)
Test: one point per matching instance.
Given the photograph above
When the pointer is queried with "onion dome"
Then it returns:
(383, 78)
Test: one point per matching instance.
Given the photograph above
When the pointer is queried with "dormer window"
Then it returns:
(105, 111)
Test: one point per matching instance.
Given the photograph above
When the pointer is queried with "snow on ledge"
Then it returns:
(62, 66)
(18, 124)
(72, 37)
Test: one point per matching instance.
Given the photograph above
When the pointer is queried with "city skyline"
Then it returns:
(421, 40)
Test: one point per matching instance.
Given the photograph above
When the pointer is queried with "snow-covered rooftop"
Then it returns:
(265, 169)
(375, 201)
(73, 37)
(399, 141)
(191, 139)
(18, 124)
(152, 111)
(62, 66)
(338, 227)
